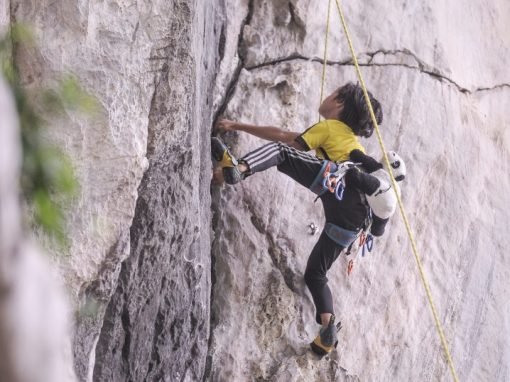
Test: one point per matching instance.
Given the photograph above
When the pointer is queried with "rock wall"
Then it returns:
(138, 270)
(141, 164)
(439, 71)
(156, 326)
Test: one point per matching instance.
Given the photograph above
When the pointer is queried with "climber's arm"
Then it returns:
(270, 133)
(368, 163)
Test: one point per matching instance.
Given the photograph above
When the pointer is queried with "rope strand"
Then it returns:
(400, 204)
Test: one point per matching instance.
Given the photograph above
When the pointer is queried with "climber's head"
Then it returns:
(353, 110)
(398, 166)
(331, 107)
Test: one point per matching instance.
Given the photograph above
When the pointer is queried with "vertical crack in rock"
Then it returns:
(96, 297)
(155, 358)
(241, 54)
(221, 109)
(159, 80)
(297, 21)
(280, 260)
(221, 43)
(156, 323)
(126, 326)
(278, 256)
(208, 362)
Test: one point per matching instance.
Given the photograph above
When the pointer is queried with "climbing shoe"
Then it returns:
(227, 161)
(326, 341)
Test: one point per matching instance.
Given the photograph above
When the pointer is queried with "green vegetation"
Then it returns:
(47, 177)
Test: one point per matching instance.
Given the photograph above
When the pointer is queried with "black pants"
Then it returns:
(323, 255)
(300, 166)
(303, 168)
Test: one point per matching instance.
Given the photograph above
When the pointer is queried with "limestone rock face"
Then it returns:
(141, 165)
(166, 287)
(440, 74)
(157, 323)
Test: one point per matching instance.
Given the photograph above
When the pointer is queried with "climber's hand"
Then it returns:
(226, 125)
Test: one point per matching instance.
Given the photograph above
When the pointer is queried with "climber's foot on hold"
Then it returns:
(230, 165)
(326, 341)
(217, 177)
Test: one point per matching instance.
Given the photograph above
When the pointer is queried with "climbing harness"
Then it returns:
(331, 178)
(339, 235)
(393, 182)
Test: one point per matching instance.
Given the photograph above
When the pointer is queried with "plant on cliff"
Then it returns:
(47, 179)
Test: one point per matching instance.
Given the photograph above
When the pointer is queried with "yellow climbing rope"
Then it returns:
(400, 204)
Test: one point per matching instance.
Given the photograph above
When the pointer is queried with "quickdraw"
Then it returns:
(349, 267)
(334, 181)
(334, 184)
(366, 243)
(369, 244)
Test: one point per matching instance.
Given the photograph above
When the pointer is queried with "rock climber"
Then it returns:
(335, 140)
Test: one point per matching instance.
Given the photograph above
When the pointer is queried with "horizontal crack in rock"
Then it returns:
(500, 86)
(420, 66)
(395, 52)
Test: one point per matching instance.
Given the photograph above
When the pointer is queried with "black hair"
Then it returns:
(355, 112)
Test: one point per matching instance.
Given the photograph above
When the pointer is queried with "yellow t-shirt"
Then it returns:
(331, 139)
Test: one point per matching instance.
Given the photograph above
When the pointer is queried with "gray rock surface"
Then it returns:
(141, 165)
(138, 271)
(157, 324)
(440, 73)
